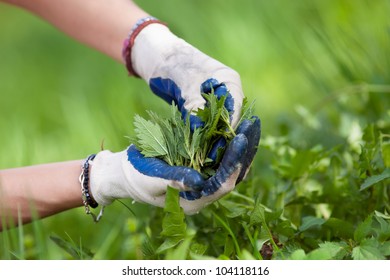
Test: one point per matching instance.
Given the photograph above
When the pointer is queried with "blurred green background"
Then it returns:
(59, 99)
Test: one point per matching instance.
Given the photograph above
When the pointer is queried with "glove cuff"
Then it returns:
(129, 42)
(151, 47)
(106, 177)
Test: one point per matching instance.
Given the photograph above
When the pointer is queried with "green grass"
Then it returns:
(318, 188)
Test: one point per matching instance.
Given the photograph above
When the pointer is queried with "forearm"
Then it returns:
(100, 24)
(44, 189)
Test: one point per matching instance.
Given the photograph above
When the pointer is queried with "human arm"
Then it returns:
(45, 189)
(100, 24)
(174, 70)
(158, 56)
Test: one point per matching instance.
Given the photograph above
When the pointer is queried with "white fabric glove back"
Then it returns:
(158, 53)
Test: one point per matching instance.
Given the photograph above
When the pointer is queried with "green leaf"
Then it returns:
(172, 140)
(228, 249)
(367, 250)
(382, 215)
(198, 248)
(301, 162)
(180, 252)
(78, 253)
(232, 209)
(245, 255)
(385, 248)
(385, 149)
(230, 232)
(327, 251)
(150, 138)
(171, 135)
(371, 181)
(173, 225)
(363, 229)
(247, 110)
(383, 231)
(310, 222)
(298, 254)
(257, 216)
(340, 228)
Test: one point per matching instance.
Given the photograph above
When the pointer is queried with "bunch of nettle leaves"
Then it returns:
(172, 139)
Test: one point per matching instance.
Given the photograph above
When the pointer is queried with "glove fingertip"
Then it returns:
(230, 163)
(252, 130)
(190, 195)
(195, 122)
(220, 143)
(208, 85)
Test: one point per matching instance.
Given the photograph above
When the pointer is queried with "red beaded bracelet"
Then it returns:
(129, 42)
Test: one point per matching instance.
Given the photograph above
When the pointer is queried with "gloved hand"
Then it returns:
(129, 174)
(179, 73)
(176, 71)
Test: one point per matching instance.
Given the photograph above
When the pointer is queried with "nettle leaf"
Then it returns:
(170, 134)
(328, 251)
(364, 229)
(368, 250)
(385, 150)
(311, 222)
(198, 248)
(233, 209)
(298, 254)
(371, 181)
(150, 138)
(385, 248)
(340, 228)
(247, 110)
(174, 226)
(180, 252)
(257, 216)
(172, 140)
(214, 110)
(383, 231)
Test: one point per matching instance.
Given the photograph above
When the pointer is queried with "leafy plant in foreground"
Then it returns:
(310, 202)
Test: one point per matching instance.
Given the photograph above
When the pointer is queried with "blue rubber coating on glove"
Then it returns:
(167, 90)
(154, 167)
(220, 90)
(190, 195)
(170, 92)
(229, 164)
(220, 143)
(252, 130)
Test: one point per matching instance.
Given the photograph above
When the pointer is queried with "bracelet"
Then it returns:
(129, 41)
(88, 200)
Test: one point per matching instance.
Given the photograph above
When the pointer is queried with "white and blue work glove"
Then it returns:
(179, 73)
(176, 71)
(128, 174)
